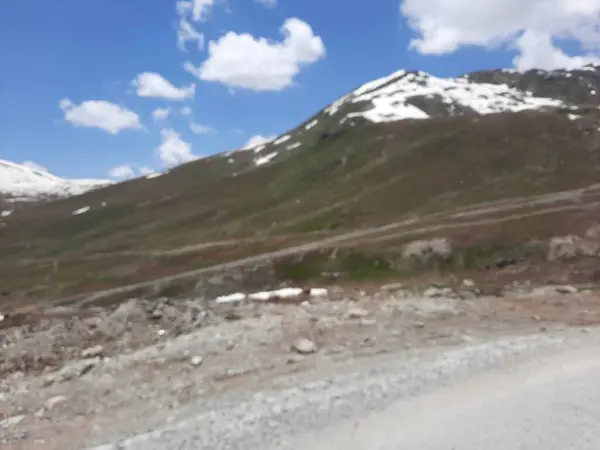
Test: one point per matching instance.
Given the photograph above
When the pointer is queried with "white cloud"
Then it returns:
(537, 50)
(173, 150)
(100, 114)
(199, 128)
(146, 170)
(198, 9)
(243, 61)
(257, 140)
(267, 3)
(530, 26)
(186, 111)
(187, 33)
(34, 166)
(149, 84)
(160, 113)
(121, 172)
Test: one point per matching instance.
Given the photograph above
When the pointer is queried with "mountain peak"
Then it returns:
(24, 183)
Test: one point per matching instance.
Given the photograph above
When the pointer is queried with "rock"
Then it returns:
(566, 289)
(357, 313)
(157, 314)
(437, 292)
(368, 322)
(92, 352)
(304, 346)
(54, 401)
(196, 361)
(392, 287)
(11, 421)
(419, 324)
(295, 359)
(468, 283)
(72, 370)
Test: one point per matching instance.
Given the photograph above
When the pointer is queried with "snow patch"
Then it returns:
(311, 124)
(390, 97)
(265, 159)
(81, 210)
(25, 182)
(231, 298)
(282, 139)
(149, 176)
(264, 296)
(260, 148)
(5, 213)
(573, 116)
(293, 146)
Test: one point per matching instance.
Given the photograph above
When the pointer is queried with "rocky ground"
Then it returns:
(73, 378)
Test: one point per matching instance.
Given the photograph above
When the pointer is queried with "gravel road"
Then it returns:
(534, 391)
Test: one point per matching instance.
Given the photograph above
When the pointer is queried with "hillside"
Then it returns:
(409, 146)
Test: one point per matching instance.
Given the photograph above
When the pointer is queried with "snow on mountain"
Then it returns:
(22, 182)
(417, 95)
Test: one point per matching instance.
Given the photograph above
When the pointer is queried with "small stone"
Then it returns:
(92, 352)
(368, 322)
(357, 313)
(419, 324)
(54, 401)
(566, 290)
(72, 370)
(295, 359)
(536, 318)
(585, 330)
(304, 346)
(468, 283)
(196, 361)
(11, 421)
(543, 329)
(433, 292)
(392, 287)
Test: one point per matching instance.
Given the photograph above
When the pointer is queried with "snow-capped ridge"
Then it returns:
(402, 95)
(27, 183)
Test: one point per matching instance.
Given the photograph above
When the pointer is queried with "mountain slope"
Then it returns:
(20, 182)
(344, 169)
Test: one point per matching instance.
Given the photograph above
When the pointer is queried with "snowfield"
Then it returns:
(26, 183)
(390, 97)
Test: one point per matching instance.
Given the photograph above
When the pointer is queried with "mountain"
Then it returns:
(498, 162)
(412, 95)
(23, 183)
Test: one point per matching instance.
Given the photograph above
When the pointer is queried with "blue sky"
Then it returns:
(68, 100)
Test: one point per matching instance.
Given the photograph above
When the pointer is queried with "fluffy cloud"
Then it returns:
(34, 166)
(160, 113)
(173, 150)
(257, 140)
(199, 128)
(146, 171)
(198, 9)
(532, 27)
(121, 172)
(100, 114)
(187, 33)
(150, 84)
(186, 111)
(243, 61)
